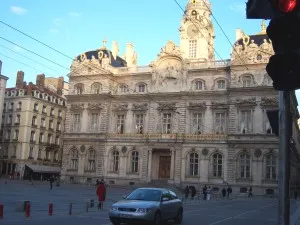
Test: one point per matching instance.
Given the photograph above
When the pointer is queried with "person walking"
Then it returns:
(204, 191)
(51, 180)
(101, 193)
(208, 193)
(250, 192)
(224, 193)
(186, 192)
(229, 191)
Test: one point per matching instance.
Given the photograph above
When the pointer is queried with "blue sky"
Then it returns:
(73, 27)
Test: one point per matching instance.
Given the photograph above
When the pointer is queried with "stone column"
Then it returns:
(172, 164)
(149, 177)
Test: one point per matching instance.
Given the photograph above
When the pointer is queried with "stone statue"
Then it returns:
(134, 58)
(253, 45)
(105, 61)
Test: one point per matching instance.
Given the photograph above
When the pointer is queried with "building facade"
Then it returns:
(31, 130)
(3, 80)
(184, 119)
(54, 84)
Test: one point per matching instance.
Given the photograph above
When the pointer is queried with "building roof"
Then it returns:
(3, 77)
(115, 62)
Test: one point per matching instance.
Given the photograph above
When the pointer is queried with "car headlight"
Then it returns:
(114, 208)
(143, 210)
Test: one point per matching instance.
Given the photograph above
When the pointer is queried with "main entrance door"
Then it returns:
(164, 167)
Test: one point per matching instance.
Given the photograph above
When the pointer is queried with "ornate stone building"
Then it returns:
(186, 118)
(31, 129)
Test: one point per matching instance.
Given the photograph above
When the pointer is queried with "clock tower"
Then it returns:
(197, 32)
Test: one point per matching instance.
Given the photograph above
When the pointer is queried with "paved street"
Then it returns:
(224, 212)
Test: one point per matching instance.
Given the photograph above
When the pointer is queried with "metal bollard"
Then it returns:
(50, 209)
(1, 211)
(70, 209)
(27, 210)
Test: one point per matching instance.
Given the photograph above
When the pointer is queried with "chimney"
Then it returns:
(239, 34)
(60, 85)
(129, 54)
(0, 66)
(115, 49)
(20, 79)
(40, 80)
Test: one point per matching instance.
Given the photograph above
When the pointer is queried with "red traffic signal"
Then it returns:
(285, 6)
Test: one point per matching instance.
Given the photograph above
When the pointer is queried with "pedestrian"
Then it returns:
(193, 192)
(18, 175)
(97, 182)
(186, 192)
(224, 193)
(229, 191)
(101, 193)
(250, 192)
(208, 193)
(51, 180)
(204, 191)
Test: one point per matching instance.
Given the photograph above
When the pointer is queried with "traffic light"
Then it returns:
(283, 30)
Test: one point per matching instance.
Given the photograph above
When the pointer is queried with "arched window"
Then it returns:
(115, 161)
(217, 165)
(92, 160)
(199, 85)
(244, 162)
(123, 88)
(221, 84)
(271, 167)
(74, 159)
(193, 164)
(96, 88)
(134, 162)
(79, 88)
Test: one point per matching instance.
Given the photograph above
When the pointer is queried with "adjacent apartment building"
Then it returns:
(185, 119)
(31, 129)
(3, 80)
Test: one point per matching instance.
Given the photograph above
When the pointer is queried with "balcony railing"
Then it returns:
(35, 110)
(15, 140)
(32, 141)
(17, 123)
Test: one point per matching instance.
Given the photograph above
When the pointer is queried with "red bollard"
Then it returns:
(1, 211)
(50, 209)
(27, 210)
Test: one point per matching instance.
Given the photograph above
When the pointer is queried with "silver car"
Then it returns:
(152, 205)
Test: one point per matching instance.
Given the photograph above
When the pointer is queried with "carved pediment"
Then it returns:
(197, 105)
(274, 101)
(167, 106)
(246, 102)
(140, 107)
(77, 106)
(120, 107)
(219, 105)
(94, 106)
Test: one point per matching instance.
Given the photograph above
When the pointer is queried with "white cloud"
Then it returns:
(18, 10)
(75, 14)
(238, 8)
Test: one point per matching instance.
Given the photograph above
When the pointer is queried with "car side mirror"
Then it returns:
(164, 199)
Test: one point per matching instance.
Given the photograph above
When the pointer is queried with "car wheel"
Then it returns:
(157, 219)
(179, 216)
(115, 222)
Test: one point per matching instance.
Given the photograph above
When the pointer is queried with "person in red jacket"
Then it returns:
(101, 193)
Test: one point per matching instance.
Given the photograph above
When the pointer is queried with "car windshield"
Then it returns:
(145, 195)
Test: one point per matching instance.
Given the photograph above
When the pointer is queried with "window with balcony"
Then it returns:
(58, 126)
(51, 125)
(18, 119)
(48, 155)
(32, 136)
(16, 135)
(49, 138)
(9, 120)
(34, 121)
(4, 107)
(30, 155)
(139, 123)
(120, 124)
(57, 140)
(11, 107)
(197, 123)
(8, 133)
(166, 123)
(19, 106)
(52, 112)
(44, 111)
(43, 122)
(246, 121)
(41, 138)
(36, 107)
(220, 122)
(59, 113)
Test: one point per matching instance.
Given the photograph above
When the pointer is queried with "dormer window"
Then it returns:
(123, 88)
(221, 84)
(79, 89)
(96, 88)
(141, 88)
(247, 81)
(198, 85)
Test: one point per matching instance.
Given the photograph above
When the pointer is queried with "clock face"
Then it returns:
(192, 31)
